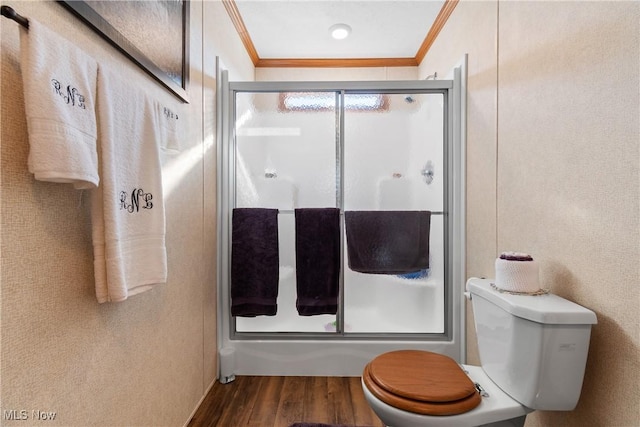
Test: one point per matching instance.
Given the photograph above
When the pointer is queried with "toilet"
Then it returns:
(533, 352)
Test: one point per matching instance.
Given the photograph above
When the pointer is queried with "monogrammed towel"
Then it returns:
(59, 92)
(127, 208)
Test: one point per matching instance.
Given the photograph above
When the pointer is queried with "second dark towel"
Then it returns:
(317, 260)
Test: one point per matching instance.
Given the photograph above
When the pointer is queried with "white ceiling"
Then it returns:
(300, 28)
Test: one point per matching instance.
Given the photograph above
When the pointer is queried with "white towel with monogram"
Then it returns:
(59, 92)
(128, 221)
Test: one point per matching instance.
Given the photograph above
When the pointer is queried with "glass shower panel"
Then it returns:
(285, 158)
(394, 161)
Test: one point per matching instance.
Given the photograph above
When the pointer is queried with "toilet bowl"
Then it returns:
(433, 400)
(421, 382)
(533, 351)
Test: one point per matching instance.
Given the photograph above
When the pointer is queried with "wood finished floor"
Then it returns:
(260, 401)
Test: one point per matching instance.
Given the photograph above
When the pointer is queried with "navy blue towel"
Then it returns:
(254, 262)
(388, 242)
(317, 260)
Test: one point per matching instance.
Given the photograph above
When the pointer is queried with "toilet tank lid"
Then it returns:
(548, 308)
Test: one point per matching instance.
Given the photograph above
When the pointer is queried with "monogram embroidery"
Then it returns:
(170, 114)
(139, 200)
(70, 95)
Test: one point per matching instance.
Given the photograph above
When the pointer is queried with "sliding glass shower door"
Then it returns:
(285, 158)
(394, 161)
(333, 145)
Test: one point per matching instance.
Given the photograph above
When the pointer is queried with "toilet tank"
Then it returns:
(533, 347)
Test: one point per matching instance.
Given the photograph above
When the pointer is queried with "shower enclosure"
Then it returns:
(355, 146)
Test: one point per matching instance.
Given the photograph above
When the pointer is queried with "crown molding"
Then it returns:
(236, 18)
(441, 19)
(438, 24)
(335, 62)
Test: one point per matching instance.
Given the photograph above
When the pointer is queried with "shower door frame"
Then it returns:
(452, 340)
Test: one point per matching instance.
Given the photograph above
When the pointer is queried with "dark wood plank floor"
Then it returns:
(259, 401)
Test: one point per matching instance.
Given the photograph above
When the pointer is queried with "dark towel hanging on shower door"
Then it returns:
(388, 242)
(254, 262)
(317, 260)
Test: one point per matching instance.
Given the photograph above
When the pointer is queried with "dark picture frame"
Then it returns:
(153, 34)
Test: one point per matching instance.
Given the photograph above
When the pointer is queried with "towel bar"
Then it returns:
(8, 12)
(290, 211)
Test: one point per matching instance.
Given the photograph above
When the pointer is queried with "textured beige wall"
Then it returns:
(561, 83)
(146, 361)
(444, 55)
(568, 164)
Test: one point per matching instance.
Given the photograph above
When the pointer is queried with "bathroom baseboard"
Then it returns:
(206, 392)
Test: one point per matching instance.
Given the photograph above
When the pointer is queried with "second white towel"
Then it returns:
(128, 221)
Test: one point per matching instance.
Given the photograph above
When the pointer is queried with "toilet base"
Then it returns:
(513, 422)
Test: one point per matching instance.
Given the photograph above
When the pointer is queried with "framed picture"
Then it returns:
(154, 34)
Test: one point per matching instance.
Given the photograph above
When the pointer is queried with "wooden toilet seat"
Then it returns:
(421, 382)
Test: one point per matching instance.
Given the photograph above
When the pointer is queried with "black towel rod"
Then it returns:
(8, 12)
